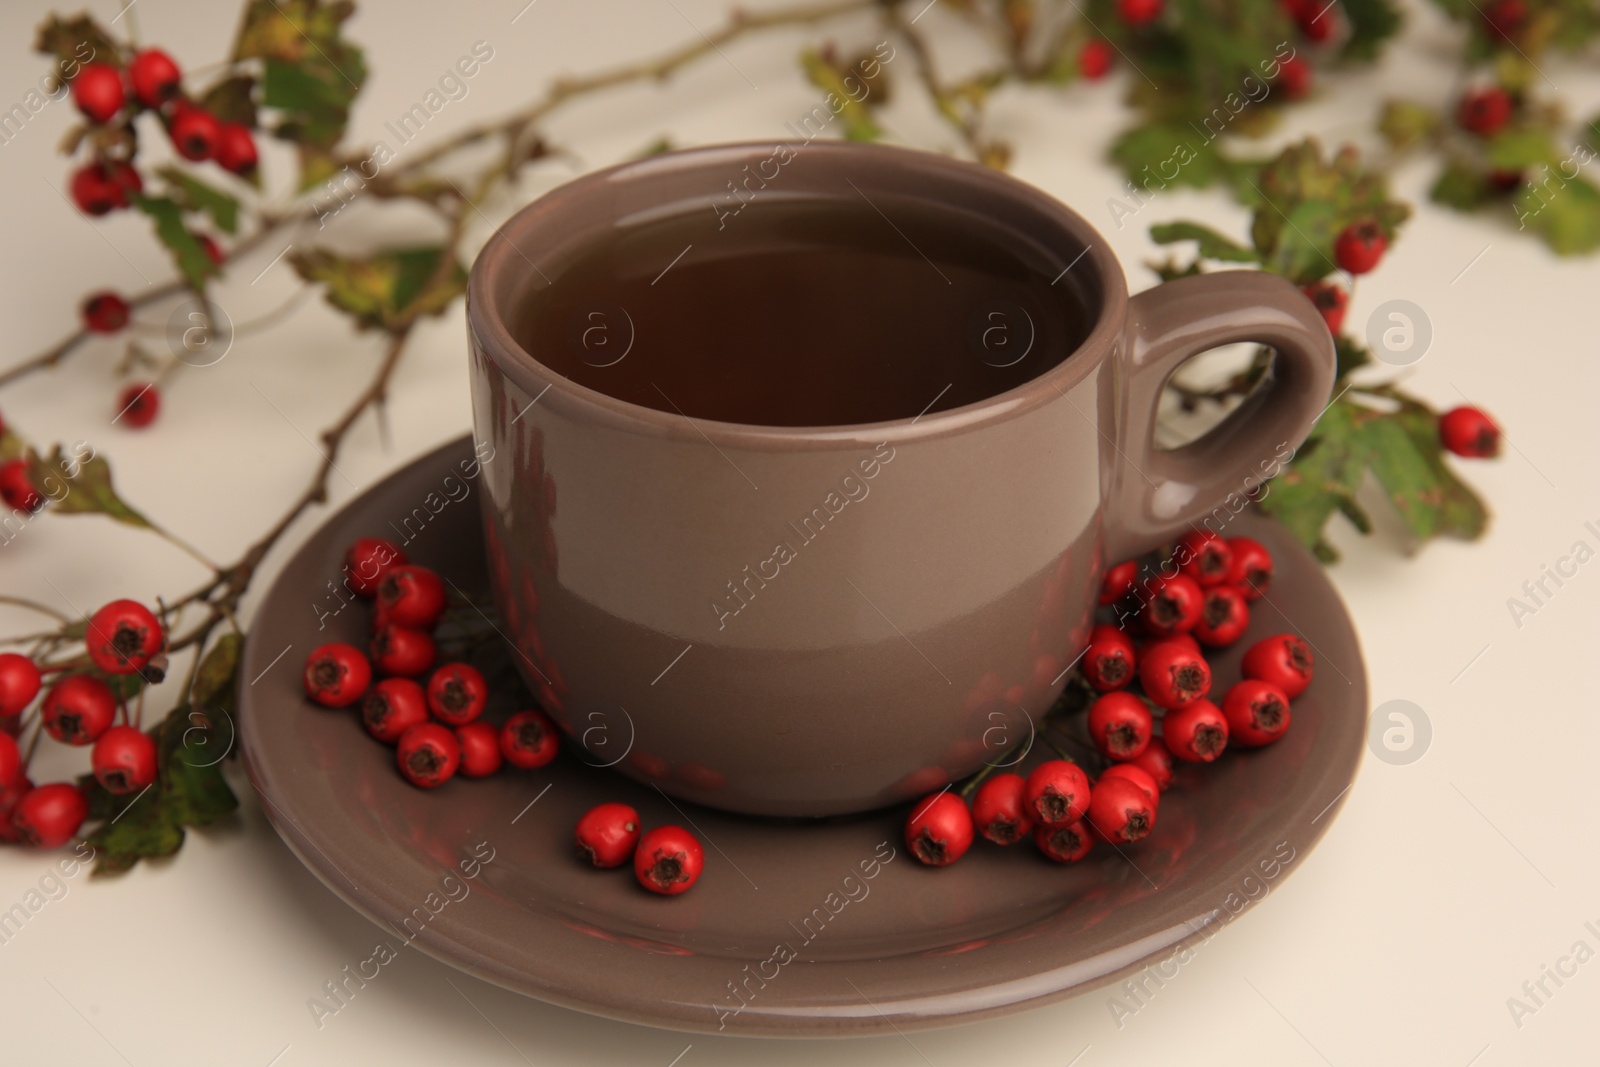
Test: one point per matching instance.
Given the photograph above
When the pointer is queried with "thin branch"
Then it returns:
(658, 69)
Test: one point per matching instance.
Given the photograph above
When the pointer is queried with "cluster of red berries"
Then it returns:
(109, 95)
(1197, 600)
(435, 725)
(667, 860)
(123, 637)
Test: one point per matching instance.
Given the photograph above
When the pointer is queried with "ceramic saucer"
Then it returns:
(795, 929)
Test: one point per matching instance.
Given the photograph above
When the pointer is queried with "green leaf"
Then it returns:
(195, 195)
(1160, 155)
(386, 290)
(187, 252)
(192, 745)
(1211, 244)
(1457, 510)
(80, 487)
(310, 73)
(1372, 22)
(1461, 187)
(214, 680)
(1403, 472)
(1564, 213)
(143, 829)
(1521, 149)
(1349, 354)
(1404, 124)
(1322, 478)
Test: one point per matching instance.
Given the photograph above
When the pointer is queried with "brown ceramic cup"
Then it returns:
(809, 621)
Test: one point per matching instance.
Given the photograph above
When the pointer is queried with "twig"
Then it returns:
(660, 68)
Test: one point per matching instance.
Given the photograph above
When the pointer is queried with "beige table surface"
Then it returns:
(1444, 886)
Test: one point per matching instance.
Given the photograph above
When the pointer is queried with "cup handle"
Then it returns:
(1156, 494)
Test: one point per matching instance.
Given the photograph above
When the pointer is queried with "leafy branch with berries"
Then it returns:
(190, 152)
(1316, 218)
(1507, 146)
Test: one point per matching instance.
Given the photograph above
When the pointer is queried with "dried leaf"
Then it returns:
(80, 487)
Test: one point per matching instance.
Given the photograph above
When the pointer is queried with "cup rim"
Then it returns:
(555, 391)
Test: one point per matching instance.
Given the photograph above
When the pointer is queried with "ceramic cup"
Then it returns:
(810, 621)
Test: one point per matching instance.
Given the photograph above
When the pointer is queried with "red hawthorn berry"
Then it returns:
(1174, 606)
(428, 755)
(1173, 675)
(1094, 59)
(668, 860)
(939, 829)
(1197, 733)
(20, 786)
(1066, 843)
(19, 683)
(1118, 582)
(1283, 660)
(97, 90)
(480, 749)
(1121, 812)
(1503, 181)
(529, 739)
(1252, 567)
(1155, 761)
(10, 760)
(106, 313)
(78, 709)
(1360, 246)
(194, 132)
(16, 486)
(1120, 725)
(236, 149)
(367, 560)
(122, 636)
(1110, 661)
(154, 76)
(1331, 301)
(1203, 556)
(391, 707)
(457, 693)
(411, 596)
(1000, 809)
(1294, 77)
(337, 675)
(126, 178)
(48, 816)
(608, 835)
(138, 404)
(400, 650)
(1485, 111)
(1139, 12)
(1136, 774)
(1224, 617)
(94, 190)
(1057, 792)
(212, 250)
(1316, 19)
(1257, 713)
(124, 760)
(1468, 432)
(1505, 18)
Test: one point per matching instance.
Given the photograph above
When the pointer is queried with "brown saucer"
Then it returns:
(786, 934)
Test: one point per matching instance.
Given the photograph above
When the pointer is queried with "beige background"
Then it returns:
(1443, 886)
